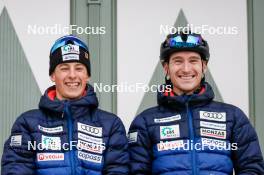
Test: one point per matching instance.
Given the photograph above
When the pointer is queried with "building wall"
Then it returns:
(256, 62)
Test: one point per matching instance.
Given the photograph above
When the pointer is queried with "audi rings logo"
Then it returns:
(213, 115)
(217, 116)
(92, 130)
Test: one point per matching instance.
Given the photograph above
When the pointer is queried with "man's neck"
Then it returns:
(179, 92)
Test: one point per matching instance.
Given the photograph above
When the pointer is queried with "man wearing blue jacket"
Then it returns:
(68, 134)
(189, 133)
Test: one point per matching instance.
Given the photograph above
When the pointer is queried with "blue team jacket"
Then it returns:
(66, 138)
(193, 135)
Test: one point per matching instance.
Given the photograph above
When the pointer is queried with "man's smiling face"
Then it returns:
(185, 70)
(70, 80)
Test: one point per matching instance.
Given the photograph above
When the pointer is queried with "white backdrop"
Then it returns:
(139, 40)
(42, 14)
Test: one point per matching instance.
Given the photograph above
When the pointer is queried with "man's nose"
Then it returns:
(186, 66)
(72, 73)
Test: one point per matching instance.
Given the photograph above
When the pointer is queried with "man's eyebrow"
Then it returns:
(176, 57)
(79, 64)
(62, 65)
(194, 57)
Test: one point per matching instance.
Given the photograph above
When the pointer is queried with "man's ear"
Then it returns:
(204, 66)
(165, 68)
(88, 78)
(52, 77)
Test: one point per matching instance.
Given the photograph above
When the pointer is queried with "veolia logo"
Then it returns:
(41, 157)
(50, 156)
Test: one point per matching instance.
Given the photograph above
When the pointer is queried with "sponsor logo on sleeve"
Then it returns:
(51, 130)
(221, 126)
(214, 142)
(50, 156)
(92, 130)
(89, 157)
(132, 137)
(220, 134)
(52, 143)
(170, 145)
(90, 138)
(16, 140)
(216, 116)
(92, 147)
(167, 132)
(167, 119)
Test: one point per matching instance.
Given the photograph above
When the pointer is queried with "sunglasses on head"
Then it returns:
(62, 42)
(188, 40)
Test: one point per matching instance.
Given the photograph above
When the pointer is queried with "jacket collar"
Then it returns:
(78, 107)
(170, 100)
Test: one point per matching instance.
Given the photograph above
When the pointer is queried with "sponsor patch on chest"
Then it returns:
(171, 131)
(170, 145)
(214, 142)
(90, 138)
(167, 119)
(52, 143)
(92, 147)
(220, 134)
(51, 130)
(221, 126)
(50, 156)
(215, 116)
(92, 130)
(89, 157)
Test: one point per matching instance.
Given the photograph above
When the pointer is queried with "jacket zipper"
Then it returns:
(191, 130)
(69, 123)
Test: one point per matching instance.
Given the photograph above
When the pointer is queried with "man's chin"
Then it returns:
(72, 96)
(188, 90)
